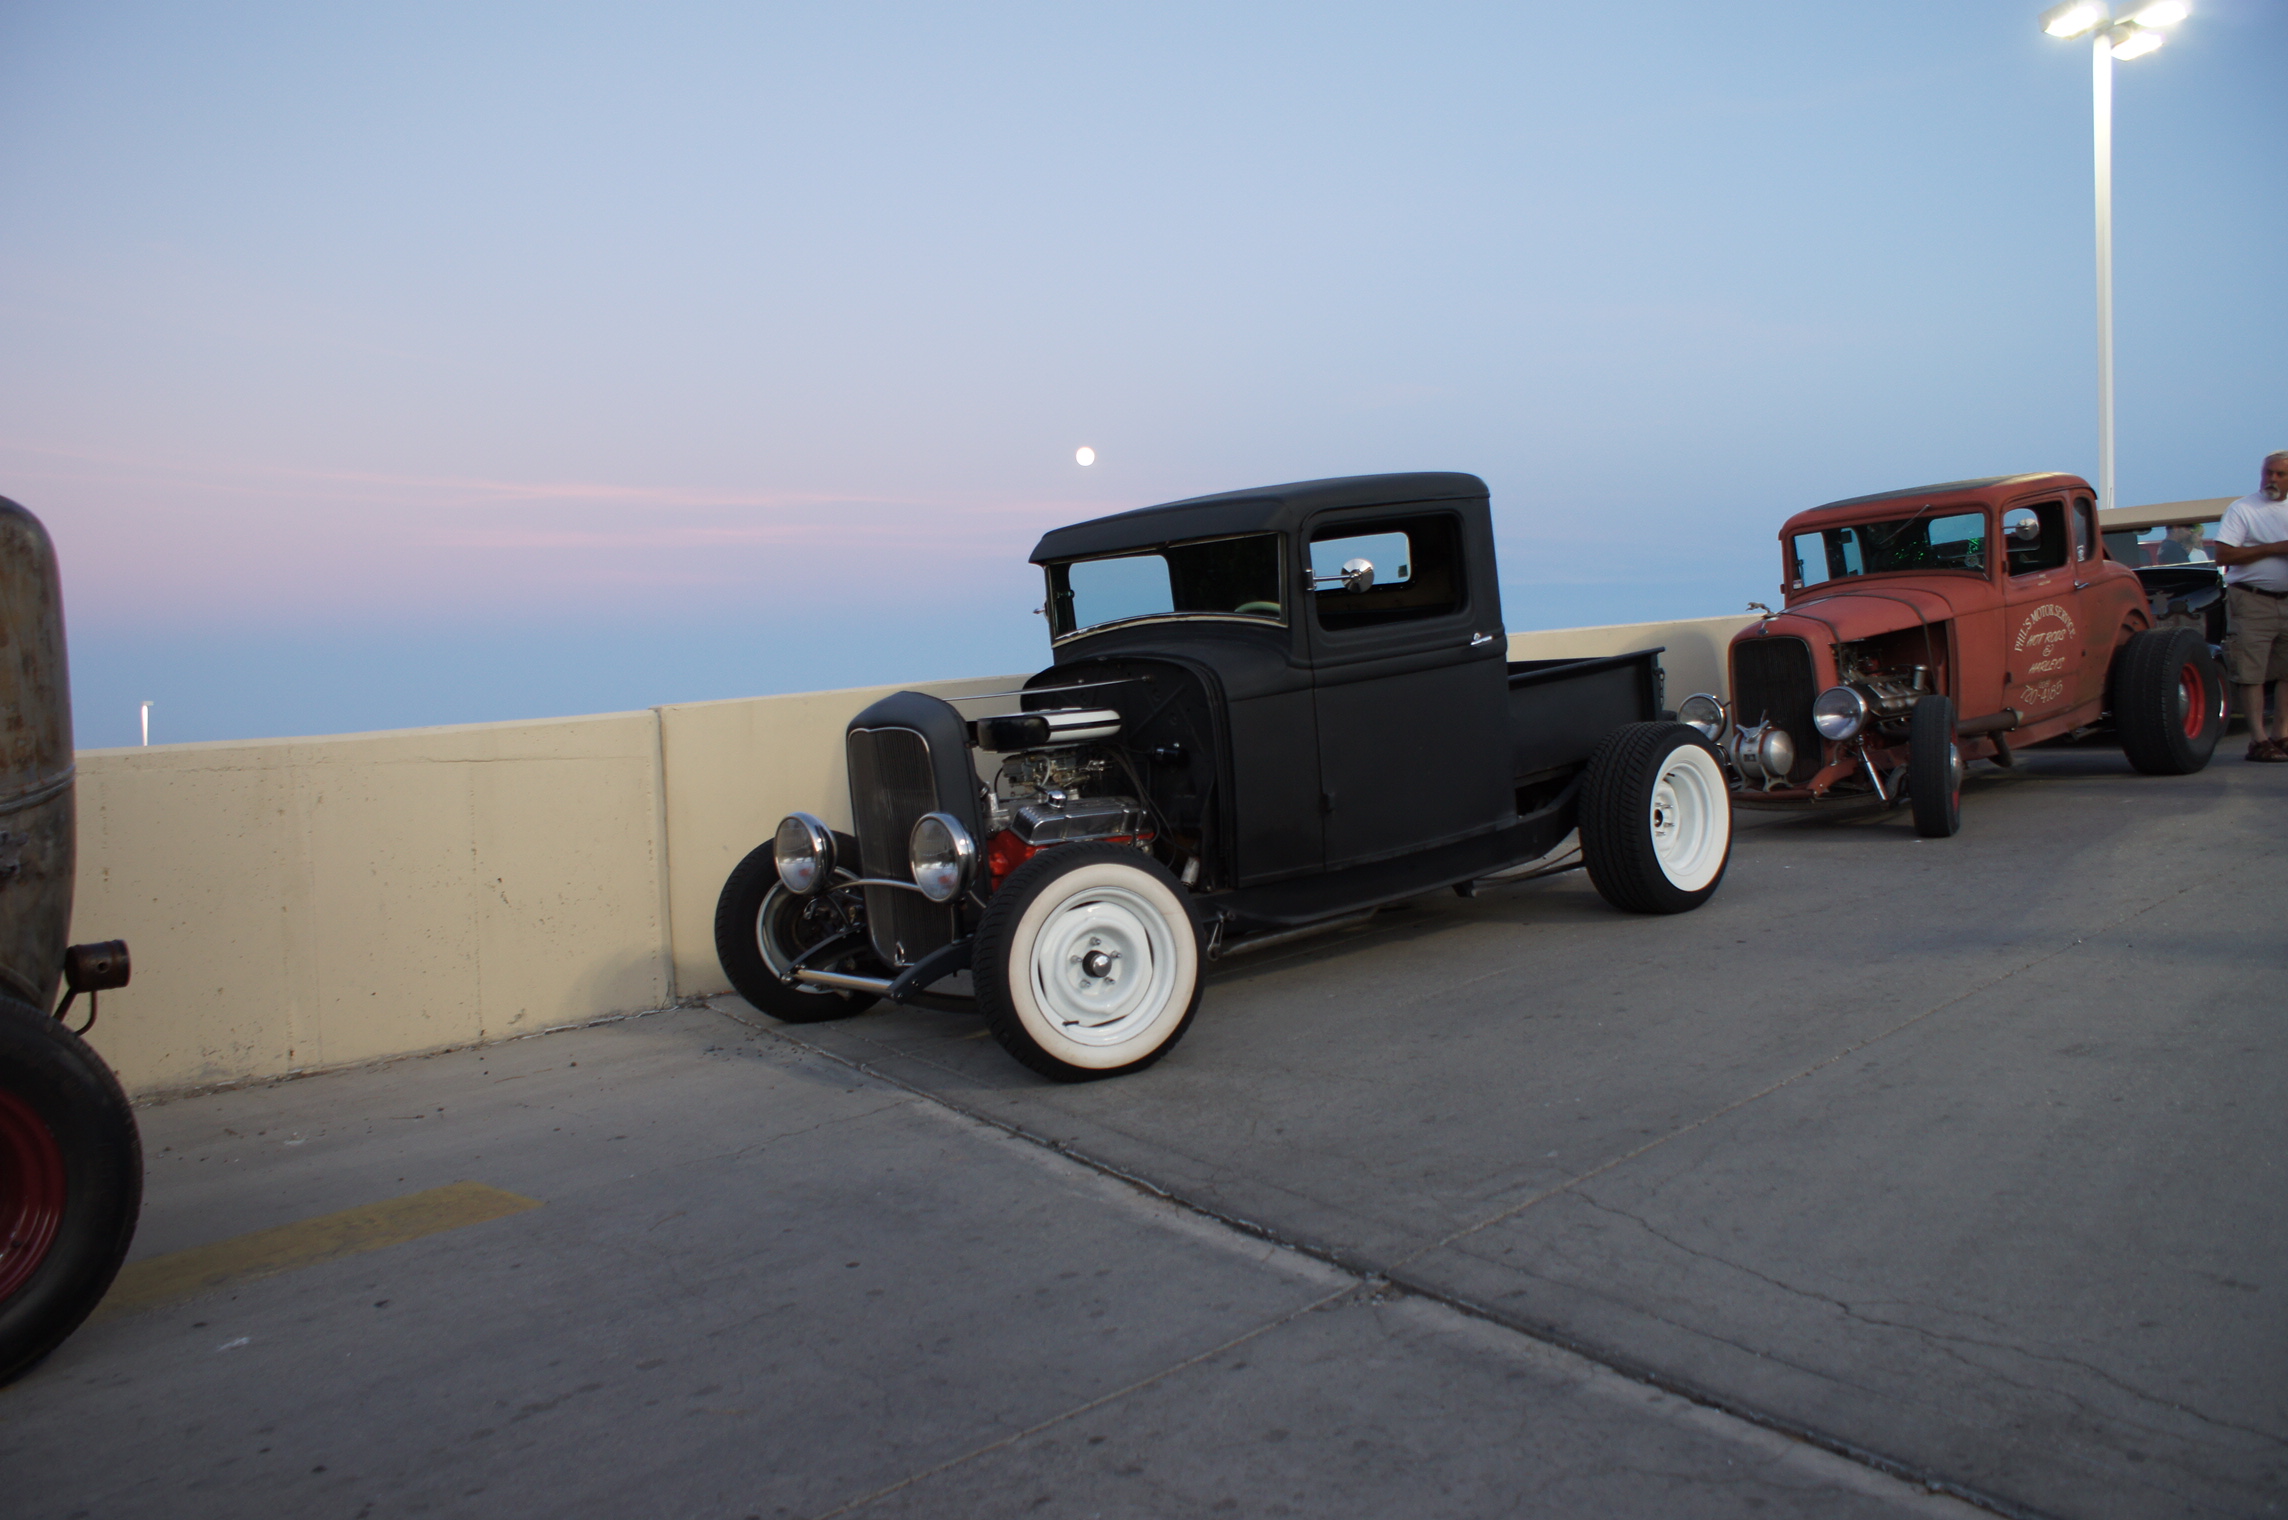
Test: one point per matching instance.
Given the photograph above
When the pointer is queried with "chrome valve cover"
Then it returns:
(1046, 823)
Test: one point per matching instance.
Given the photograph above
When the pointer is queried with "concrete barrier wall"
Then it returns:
(295, 904)
(292, 904)
(1693, 660)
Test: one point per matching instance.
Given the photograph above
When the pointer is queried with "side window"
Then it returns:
(1417, 571)
(1809, 561)
(2085, 529)
(2035, 537)
(1823, 556)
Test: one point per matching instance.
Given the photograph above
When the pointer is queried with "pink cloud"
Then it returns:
(175, 538)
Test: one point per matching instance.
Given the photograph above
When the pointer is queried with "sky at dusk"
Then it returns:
(380, 366)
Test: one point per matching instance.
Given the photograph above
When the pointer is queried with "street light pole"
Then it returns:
(2133, 36)
(2101, 135)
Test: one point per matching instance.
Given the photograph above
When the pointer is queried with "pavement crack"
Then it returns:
(811, 1129)
(1743, 1268)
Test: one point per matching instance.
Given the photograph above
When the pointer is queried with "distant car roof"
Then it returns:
(1966, 490)
(1265, 509)
(2163, 514)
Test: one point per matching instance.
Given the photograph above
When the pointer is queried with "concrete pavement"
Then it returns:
(1956, 1160)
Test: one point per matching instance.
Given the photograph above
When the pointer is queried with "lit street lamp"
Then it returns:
(2134, 35)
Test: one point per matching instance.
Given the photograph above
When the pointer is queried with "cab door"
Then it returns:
(2107, 593)
(1410, 687)
(2044, 626)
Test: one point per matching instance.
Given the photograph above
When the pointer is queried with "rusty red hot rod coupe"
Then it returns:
(1927, 628)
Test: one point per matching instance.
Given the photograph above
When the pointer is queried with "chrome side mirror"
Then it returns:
(1357, 575)
(2022, 527)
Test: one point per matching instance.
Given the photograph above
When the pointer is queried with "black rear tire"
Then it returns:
(71, 1183)
(2169, 701)
(1934, 768)
(755, 904)
(1656, 818)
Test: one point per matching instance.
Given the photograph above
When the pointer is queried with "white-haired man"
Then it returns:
(2252, 545)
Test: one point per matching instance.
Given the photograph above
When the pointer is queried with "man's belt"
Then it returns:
(2258, 591)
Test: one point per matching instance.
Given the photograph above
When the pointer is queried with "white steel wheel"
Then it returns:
(1088, 961)
(1656, 818)
(1690, 816)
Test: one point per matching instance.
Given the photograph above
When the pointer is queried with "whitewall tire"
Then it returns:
(1088, 962)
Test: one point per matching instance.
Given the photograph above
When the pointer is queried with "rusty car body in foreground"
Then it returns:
(71, 1166)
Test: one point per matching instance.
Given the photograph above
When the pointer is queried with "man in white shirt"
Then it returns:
(2252, 545)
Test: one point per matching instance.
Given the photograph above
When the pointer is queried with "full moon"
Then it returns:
(1084, 455)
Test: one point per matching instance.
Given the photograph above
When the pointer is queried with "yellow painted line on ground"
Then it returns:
(329, 1237)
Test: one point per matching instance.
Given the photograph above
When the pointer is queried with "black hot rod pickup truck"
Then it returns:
(1268, 711)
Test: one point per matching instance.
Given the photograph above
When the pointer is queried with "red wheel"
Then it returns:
(2168, 701)
(32, 1192)
(71, 1182)
(2192, 699)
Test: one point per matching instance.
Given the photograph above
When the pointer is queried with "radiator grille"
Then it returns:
(1771, 677)
(891, 785)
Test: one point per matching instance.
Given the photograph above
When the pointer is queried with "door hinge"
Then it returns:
(1326, 802)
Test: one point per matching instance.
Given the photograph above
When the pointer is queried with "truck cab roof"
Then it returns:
(1265, 509)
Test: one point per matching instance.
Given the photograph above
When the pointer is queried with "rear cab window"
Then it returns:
(1417, 564)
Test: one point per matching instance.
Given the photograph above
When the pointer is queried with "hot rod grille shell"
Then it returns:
(1772, 678)
(891, 785)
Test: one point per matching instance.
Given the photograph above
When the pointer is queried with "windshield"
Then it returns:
(1956, 541)
(2184, 544)
(1228, 577)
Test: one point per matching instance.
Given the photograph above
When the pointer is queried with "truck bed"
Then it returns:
(1560, 710)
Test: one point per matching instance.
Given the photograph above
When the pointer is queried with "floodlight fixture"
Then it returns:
(2160, 13)
(2130, 40)
(2077, 18)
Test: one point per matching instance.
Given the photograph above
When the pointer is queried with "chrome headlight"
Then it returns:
(942, 855)
(805, 850)
(1839, 712)
(1706, 713)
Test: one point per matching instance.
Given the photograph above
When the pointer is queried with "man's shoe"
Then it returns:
(2264, 750)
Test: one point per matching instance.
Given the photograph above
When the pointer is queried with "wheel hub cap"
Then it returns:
(1099, 964)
